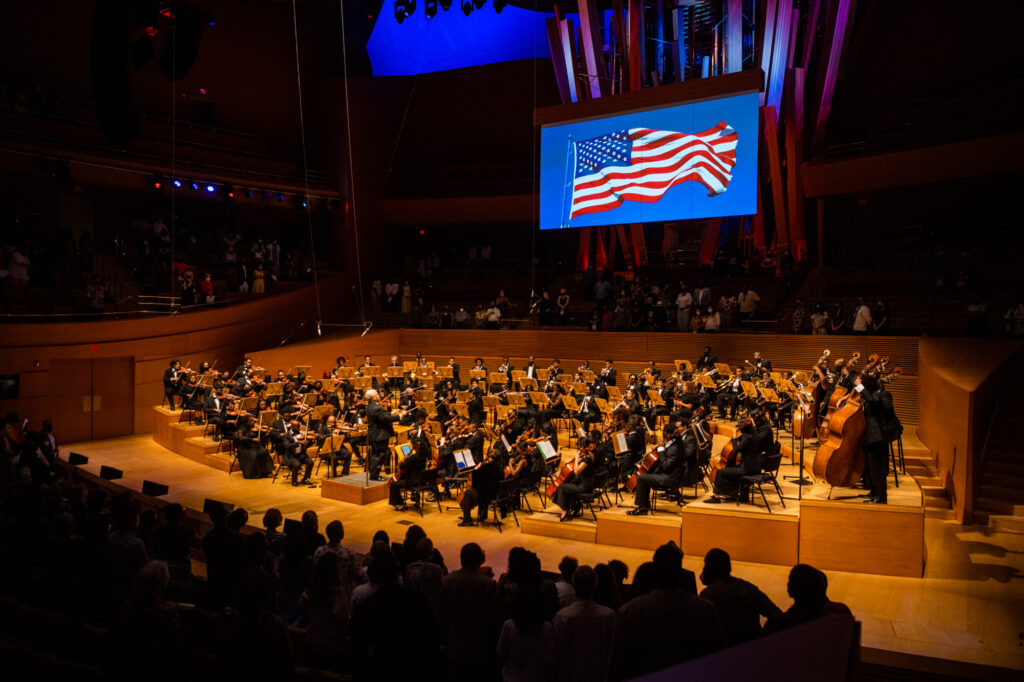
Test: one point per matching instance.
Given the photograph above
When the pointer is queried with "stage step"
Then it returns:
(1001, 492)
(220, 461)
(932, 492)
(995, 506)
(548, 525)
(1007, 468)
(941, 514)
(1006, 523)
(1002, 479)
(615, 527)
(206, 444)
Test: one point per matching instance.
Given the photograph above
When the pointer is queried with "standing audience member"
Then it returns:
(582, 633)
(470, 618)
(566, 568)
(862, 319)
(669, 624)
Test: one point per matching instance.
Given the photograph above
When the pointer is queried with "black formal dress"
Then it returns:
(253, 457)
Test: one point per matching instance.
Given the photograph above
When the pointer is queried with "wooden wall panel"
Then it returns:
(223, 333)
(746, 536)
(321, 353)
(958, 379)
(632, 350)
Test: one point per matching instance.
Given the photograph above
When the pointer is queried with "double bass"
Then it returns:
(840, 459)
(804, 424)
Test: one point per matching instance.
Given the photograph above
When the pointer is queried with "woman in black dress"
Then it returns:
(253, 458)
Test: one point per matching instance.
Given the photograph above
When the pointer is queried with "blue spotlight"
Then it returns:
(195, 187)
(177, 183)
(210, 188)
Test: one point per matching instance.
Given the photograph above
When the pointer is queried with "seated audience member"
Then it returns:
(740, 604)
(807, 587)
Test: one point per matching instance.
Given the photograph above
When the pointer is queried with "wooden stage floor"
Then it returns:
(969, 606)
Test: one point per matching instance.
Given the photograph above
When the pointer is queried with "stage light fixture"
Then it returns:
(177, 183)
(280, 196)
(430, 9)
(195, 187)
(403, 9)
(229, 192)
(211, 189)
(248, 194)
(157, 181)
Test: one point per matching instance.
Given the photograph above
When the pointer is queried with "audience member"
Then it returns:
(566, 568)
(582, 633)
(470, 618)
(740, 604)
(669, 624)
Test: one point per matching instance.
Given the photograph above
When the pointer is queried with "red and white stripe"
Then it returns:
(661, 160)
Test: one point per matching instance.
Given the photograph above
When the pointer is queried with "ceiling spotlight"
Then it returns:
(210, 189)
(403, 9)
(195, 187)
(177, 183)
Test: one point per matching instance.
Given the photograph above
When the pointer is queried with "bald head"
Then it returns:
(372, 394)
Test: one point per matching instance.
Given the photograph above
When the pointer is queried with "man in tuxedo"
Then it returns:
(292, 447)
(243, 369)
(343, 455)
(878, 414)
(530, 368)
(707, 360)
(454, 366)
(750, 446)
(476, 404)
(732, 396)
(172, 382)
(474, 442)
(589, 413)
(380, 430)
(671, 467)
(608, 373)
(652, 369)
(761, 364)
(215, 407)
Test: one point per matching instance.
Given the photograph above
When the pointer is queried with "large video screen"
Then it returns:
(695, 160)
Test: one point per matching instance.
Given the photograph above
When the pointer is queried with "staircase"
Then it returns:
(1000, 501)
(921, 465)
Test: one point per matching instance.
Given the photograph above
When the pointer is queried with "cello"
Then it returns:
(728, 457)
(648, 463)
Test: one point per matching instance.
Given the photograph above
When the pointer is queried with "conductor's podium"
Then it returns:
(355, 489)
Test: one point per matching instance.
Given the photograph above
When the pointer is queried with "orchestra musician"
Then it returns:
(707, 360)
(291, 443)
(484, 488)
(455, 370)
(172, 382)
(408, 469)
(589, 412)
(478, 364)
(760, 363)
(530, 368)
(380, 431)
(652, 369)
(631, 402)
(731, 395)
(608, 373)
(215, 408)
(555, 369)
(679, 448)
(878, 414)
(750, 446)
(243, 369)
(581, 483)
(325, 432)
(253, 458)
(475, 406)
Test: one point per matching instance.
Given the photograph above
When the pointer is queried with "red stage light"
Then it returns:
(157, 185)
(202, 91)
(231, 195)
(423, 231)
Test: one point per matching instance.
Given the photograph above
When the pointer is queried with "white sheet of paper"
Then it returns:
(547, 449)
(620, 443)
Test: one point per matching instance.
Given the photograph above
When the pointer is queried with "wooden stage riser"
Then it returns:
(844, 536)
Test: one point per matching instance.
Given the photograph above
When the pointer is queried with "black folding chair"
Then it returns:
(504, 500)
(767, 475)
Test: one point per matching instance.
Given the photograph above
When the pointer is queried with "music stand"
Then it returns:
(799, 480)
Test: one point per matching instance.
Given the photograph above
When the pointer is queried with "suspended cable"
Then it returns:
(351, 166)
(305, 167)
(174, 109)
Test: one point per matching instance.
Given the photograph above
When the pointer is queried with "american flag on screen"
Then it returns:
(641, 164)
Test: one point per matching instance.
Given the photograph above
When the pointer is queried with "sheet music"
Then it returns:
(547, 449)
(529, 373)
(464, 459)
(620, 443)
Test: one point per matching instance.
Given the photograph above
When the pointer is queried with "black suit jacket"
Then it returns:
(878, 411)
(475, 408)
(380, 423)
(609, 378)
(707, 361)
(210, 406)
(170, 378)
